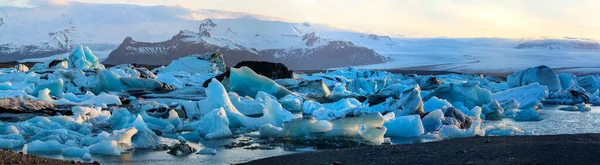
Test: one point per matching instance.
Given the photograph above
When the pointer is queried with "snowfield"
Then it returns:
(77, 108)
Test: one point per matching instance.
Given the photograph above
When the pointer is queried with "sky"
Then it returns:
(413, 18)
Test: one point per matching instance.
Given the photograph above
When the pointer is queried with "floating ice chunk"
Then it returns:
(470, 94)
(433, 121)
(103, 98)
(192, 108)
(106, 147)
(350, 126)
(340, 91)
(144, 138)
(340, 109)
(21, 67)
(247, 105)
(393, 90)
(174, 119)
(589, 83)
(9, 129)
(404, 126)
(435, 103)
(309, 106)
(59, 135)
(567, 80)
(120, 118)
(503, 130)
(214, 125)
(299, 127)
(82, 58)
(363, 86)
(16, 94)
(11, 141)
(210, 63)
(373, 135)
(273, 113)
(411, 101)
(527, 115)
(183, 79)
(86, 156)
(313, 87)
(55, 87)
(528, 96)
(124, 136)
(292, 103)
(458, 118)
(452, 131)
(62, 120)
(390, 105)
(44, 95)
(45, 146)
(74, 151)
(107, 80)
(543, 75)
(6, 86)
(207, 151)
(153, 122)
(492, 111)
(247, 83)
(59, 63)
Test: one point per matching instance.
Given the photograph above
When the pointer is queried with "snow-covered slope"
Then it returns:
(25, 32)
(565, 43)
(308, 51)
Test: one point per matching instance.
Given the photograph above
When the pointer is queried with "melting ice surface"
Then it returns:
(123, 114)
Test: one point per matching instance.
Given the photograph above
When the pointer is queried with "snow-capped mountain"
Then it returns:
(245, 34)
(300, 46)
(183, 44)
(565, 43)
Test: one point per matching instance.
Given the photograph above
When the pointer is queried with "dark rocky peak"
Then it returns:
(206, 27)
(378, 37)
(184, 34)
(311, 38)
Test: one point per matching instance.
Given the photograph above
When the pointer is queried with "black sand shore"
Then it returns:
(10, 157)
(552, 149)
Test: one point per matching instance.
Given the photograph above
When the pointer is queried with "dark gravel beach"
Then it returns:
(10, 157)
(552, 149)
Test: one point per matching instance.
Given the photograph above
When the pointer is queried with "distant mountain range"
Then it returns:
(559, 43)
(148, 35)
(296, 45)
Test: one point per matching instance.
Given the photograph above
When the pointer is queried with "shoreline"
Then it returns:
(11, 157)
(539, 149)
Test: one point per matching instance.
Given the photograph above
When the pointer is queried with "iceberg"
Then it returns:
(144, 138)
(82, 58)
(209, 63)
(105, 147)
(273, 113)
(55, 87)
(529, 96)
(213, 125)
(411, 101)
(469, 93)
(452, 131)
(404, 126)
(433, 121)
(51, 146)
(11, 141)
(247, 83)
(542, 75)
